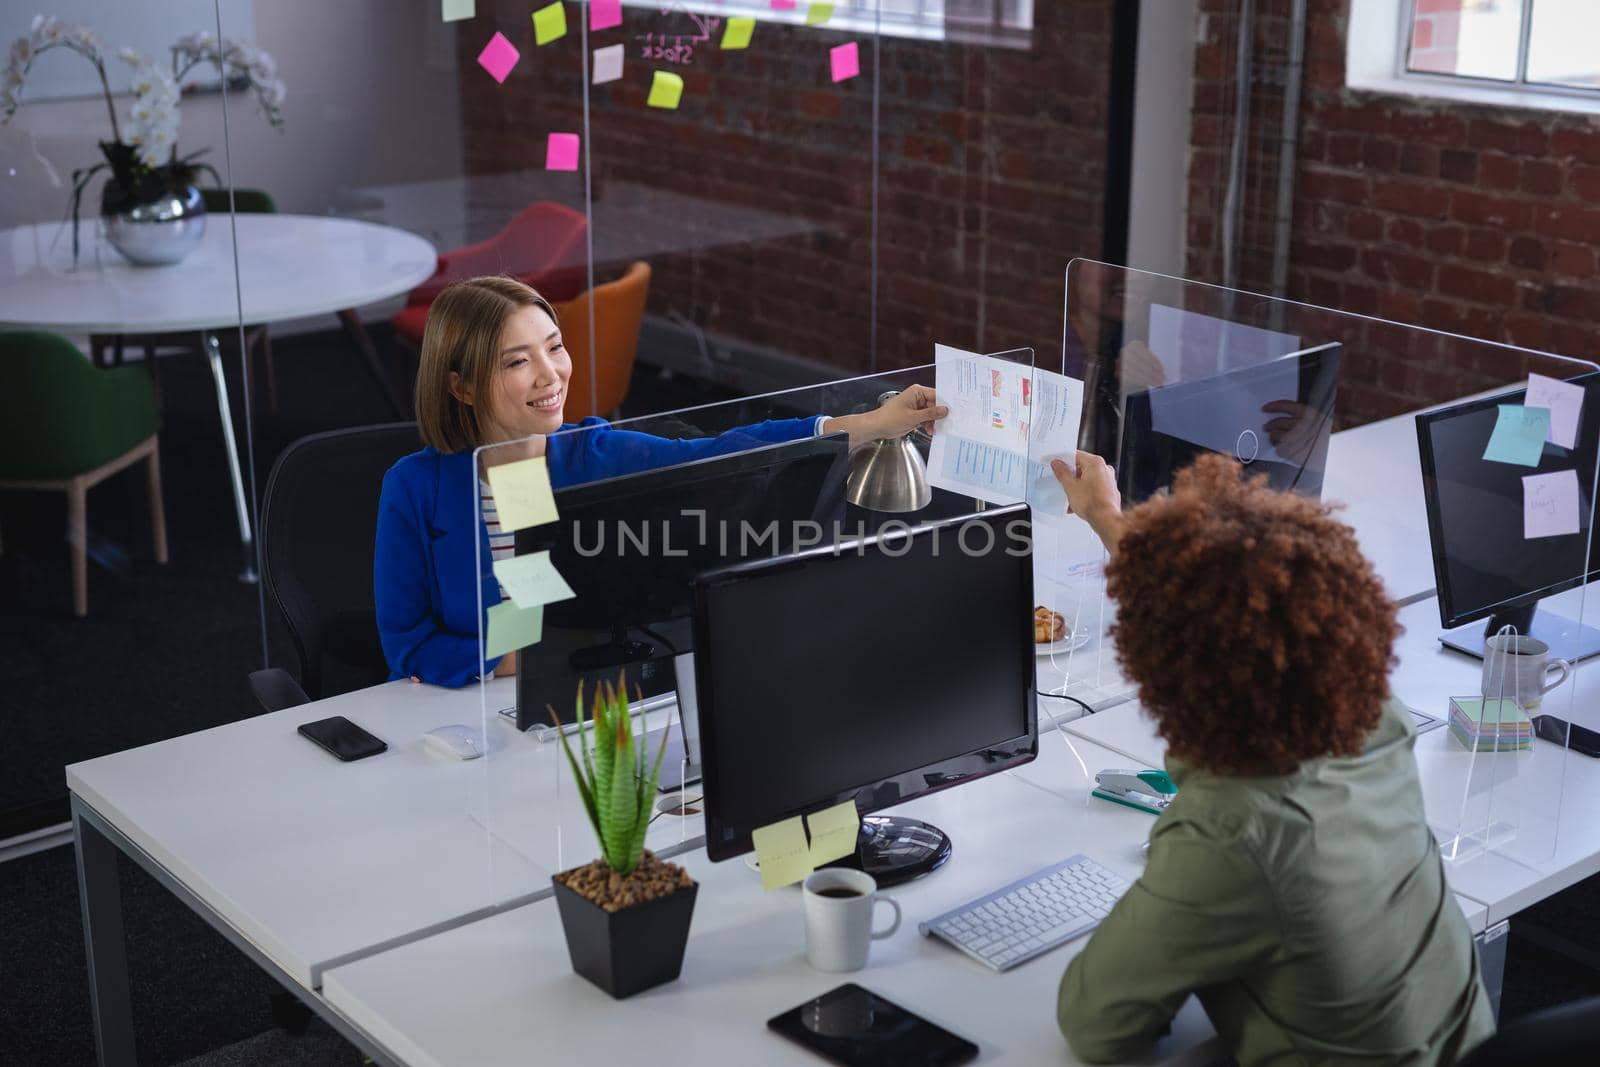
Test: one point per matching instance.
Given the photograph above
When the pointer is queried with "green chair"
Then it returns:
(108, 348)
(67, 426)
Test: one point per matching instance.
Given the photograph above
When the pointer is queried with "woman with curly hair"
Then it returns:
(1292, 884)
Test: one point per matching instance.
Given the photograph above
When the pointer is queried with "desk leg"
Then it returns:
(1492, 945)
(100, 894)
(369, 355)
(214, 354)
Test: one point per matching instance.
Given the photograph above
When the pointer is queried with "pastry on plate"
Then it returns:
(1048, 625)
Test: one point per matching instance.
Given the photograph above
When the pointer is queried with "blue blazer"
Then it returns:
(423, 571)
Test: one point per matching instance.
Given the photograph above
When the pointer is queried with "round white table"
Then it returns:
(288, 266)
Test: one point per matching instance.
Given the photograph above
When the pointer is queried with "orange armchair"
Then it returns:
(618, 314)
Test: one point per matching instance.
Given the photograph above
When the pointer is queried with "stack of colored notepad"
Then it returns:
(1489, 725)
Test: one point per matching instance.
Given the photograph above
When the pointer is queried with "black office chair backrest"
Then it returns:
(317, 531)
(1568, 1034)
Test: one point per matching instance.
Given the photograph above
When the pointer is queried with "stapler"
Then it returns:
(1149, 791)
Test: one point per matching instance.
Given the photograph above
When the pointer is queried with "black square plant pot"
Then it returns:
(628, 951)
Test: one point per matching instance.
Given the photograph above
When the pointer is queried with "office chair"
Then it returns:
(618, 315)
(318, 524)
(66, 426)
(1556, 1036)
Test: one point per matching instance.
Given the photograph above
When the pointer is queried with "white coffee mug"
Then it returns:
(839, 904)
(1518, 667)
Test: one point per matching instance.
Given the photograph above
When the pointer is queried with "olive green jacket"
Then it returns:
(1308, 912)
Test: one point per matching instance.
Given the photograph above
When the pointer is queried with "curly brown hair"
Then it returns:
(1258, 634)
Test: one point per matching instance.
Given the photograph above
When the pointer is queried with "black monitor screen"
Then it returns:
(1165, 429)
(630, 547)
(1482, 563)
(900, 665)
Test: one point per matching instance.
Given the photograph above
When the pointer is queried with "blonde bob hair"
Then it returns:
(463, 336)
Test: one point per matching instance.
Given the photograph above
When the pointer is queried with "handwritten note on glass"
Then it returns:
(1549, 504)
(1518, 436)
(1565, 402)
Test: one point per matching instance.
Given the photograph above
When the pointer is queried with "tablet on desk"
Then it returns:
(856, 1027)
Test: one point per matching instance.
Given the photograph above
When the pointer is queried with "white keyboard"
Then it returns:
(1032, 915)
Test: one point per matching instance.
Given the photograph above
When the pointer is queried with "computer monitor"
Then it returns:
(1166, 428)
(899, 665)
(631, 546)
(1483, 567)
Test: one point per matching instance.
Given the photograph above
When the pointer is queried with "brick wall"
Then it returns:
(1479, 220)
(992, 174)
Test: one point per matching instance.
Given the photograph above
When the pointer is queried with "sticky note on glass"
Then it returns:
(818, 14)
(666, 90)
(532, 580)
(1518, 436)
(737, 35)
(782, 852)
(549, 24)
(561, 153)
(511, 628)
(456, 10)
(604, 14)
(833, 832)
(607, 64)
(846, 60)
(1565, 402)
(522, 489)
(783, 5)
(498, 57)
(1549, 504)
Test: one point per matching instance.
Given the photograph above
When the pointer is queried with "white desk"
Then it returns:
(1375, 473)
(288, 266)
(305, 861)
(501, 991)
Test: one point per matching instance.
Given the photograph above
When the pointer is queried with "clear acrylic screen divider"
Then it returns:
(644, 505)
(1327, 402)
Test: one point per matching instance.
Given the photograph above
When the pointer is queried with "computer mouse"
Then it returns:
(456, 741)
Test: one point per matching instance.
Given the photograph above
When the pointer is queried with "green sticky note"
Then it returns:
(532, 579)
(1518, 436)
(522, 494)
(782, 852)
(549, 24)
(511, 628)
(456, 10)
(833, 832)
(818, 14)
(666, 89)
(737, 35)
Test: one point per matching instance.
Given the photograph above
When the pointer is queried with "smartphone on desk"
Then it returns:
(1577, 738)
(856, 1027)
(342, 738)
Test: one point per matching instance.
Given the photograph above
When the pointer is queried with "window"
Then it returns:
(1007, 23)
(1544, 43)
(1513, 53)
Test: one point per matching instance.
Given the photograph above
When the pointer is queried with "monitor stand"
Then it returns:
(620, 651)
(894, 849)
(1568, 639)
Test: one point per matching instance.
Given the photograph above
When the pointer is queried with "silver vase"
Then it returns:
(160, 232)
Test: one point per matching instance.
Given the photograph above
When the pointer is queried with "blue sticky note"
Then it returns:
(1519, 435)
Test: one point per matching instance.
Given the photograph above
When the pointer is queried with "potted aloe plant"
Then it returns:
(626, 915)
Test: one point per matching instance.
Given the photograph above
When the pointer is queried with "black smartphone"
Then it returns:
(1578, 738)
(858, 1028)
(343, 738)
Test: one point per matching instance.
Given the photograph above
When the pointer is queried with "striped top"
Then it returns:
(502, 543)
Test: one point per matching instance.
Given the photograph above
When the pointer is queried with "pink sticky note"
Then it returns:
(561, 152)
(846, 61)
(498, 57)
(604, 14)
(783, 5)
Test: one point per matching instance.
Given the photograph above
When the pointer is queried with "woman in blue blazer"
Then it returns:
(493, 370)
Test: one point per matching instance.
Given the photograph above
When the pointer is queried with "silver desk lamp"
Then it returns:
(889, 474)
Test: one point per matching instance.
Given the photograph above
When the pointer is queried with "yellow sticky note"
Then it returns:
(833, 832)
(511, 628)
(818, 13)
(532, 579)
(781, 851)
(737, 35)
(549, 24)
(666, 89)
(522, 493)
